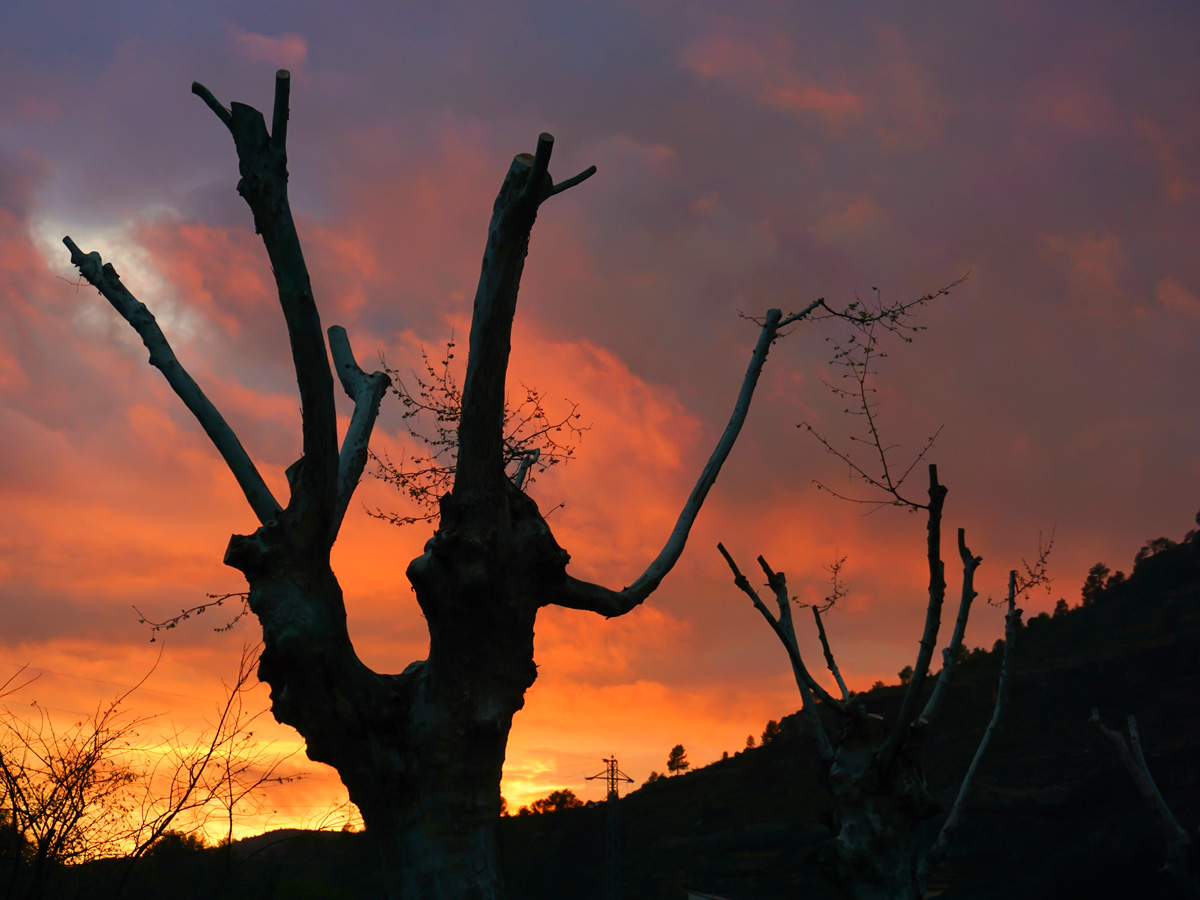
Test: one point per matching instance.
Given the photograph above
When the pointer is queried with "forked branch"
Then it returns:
(952, 652)
(786, 632)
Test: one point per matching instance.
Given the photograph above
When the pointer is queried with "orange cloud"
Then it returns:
(343, 266)
(220, 273)
(287, 51)
(12, 376)
(578, 646)
(765, 73)
(632, 459)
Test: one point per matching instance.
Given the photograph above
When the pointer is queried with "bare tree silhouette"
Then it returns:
(872, 768)
(95, 789)
(420, 752)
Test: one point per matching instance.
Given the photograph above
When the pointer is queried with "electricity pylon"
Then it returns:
(612, 856)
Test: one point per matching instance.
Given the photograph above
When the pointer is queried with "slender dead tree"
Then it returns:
(420, 752)
(872, 768)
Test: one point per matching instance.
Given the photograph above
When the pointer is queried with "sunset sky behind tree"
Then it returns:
(792, 151)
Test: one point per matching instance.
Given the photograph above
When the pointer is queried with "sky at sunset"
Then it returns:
(763, 159)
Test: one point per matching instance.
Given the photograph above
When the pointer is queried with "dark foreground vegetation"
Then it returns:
(1054, 813)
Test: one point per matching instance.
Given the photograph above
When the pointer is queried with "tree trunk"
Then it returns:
(880, 813)
(480, 583)
(438, 838)
(421, 752)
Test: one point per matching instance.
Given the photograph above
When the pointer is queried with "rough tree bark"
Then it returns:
(419, 752)
(873, 770)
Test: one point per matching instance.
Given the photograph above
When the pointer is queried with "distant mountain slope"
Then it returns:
(1054, 815)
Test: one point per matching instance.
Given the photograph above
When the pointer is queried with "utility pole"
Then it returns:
(612, 856)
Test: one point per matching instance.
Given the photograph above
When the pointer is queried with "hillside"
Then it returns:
(1054, 814)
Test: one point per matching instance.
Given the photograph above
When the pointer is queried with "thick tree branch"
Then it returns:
(933, 618)
(568, 183)
(262, 161)
(1012, 622)
(578, 594)
(366, 391)
(104, 278)
(212, 103)
(480, 464)
(951, 653)
(279, 115)
(786, 633)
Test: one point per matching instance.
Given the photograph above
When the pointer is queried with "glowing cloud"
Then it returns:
(287, 51)
(765, 73)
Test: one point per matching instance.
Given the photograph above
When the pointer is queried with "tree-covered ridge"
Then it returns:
(1160, 564)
